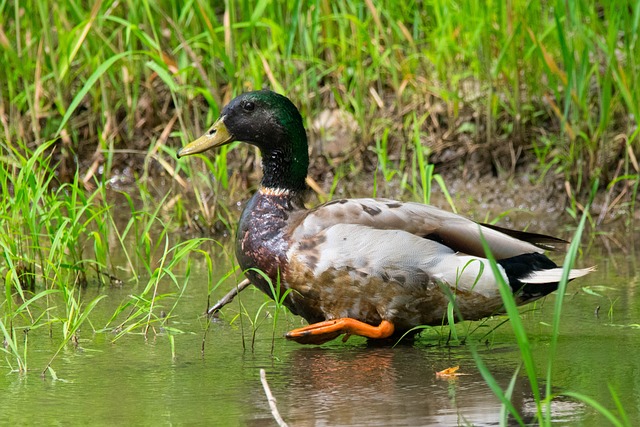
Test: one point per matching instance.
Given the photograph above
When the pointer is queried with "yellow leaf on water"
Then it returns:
(449, 373)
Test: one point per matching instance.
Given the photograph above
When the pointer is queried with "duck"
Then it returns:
(369, 267)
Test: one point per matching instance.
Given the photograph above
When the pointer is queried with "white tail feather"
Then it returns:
(554, 275)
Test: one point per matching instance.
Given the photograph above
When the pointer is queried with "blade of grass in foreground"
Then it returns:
(523, 342)
(569, 260)
(518, 329)
(505, 399)
(597, 406)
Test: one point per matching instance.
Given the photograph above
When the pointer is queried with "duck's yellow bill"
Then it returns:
(216, 136)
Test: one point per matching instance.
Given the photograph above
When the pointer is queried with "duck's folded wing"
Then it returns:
(458, 233)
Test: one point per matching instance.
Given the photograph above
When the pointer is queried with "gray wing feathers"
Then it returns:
(458, 233)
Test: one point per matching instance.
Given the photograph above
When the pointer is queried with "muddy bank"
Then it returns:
(520, 199)
(490, 174)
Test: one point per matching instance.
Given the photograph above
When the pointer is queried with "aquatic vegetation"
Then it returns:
(544, 402)
(59, 239)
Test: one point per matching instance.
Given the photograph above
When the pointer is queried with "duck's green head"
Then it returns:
(270, 122)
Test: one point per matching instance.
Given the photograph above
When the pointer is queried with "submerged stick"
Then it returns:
(228, 297)
(271, 400)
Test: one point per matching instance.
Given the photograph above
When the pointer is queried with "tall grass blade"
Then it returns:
(88, 85)
(597, 406)
(569, 260)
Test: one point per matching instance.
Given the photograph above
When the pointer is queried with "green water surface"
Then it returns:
(141, 381)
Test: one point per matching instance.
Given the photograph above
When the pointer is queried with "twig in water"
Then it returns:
(213, 311)
(228, 297)
(271, 400)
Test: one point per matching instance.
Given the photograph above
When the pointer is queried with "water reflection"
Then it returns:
(352, 386)
(384, 386)
(134, 381)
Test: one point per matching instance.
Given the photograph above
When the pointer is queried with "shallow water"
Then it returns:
(137, 381)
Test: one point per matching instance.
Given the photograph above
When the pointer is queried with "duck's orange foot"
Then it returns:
(318, 333)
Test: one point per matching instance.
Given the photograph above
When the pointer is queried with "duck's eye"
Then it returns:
(248, 106)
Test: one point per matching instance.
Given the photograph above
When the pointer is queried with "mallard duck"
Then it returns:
(368, 267)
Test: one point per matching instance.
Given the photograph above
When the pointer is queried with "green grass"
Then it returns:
(544, 401)
(59, 239)
(553, 85)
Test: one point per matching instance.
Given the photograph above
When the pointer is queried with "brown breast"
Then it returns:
(262, 241)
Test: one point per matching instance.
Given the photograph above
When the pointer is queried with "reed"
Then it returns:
(543, 401)
(555, 81)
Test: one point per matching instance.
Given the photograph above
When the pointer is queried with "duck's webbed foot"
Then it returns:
(318, 333)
